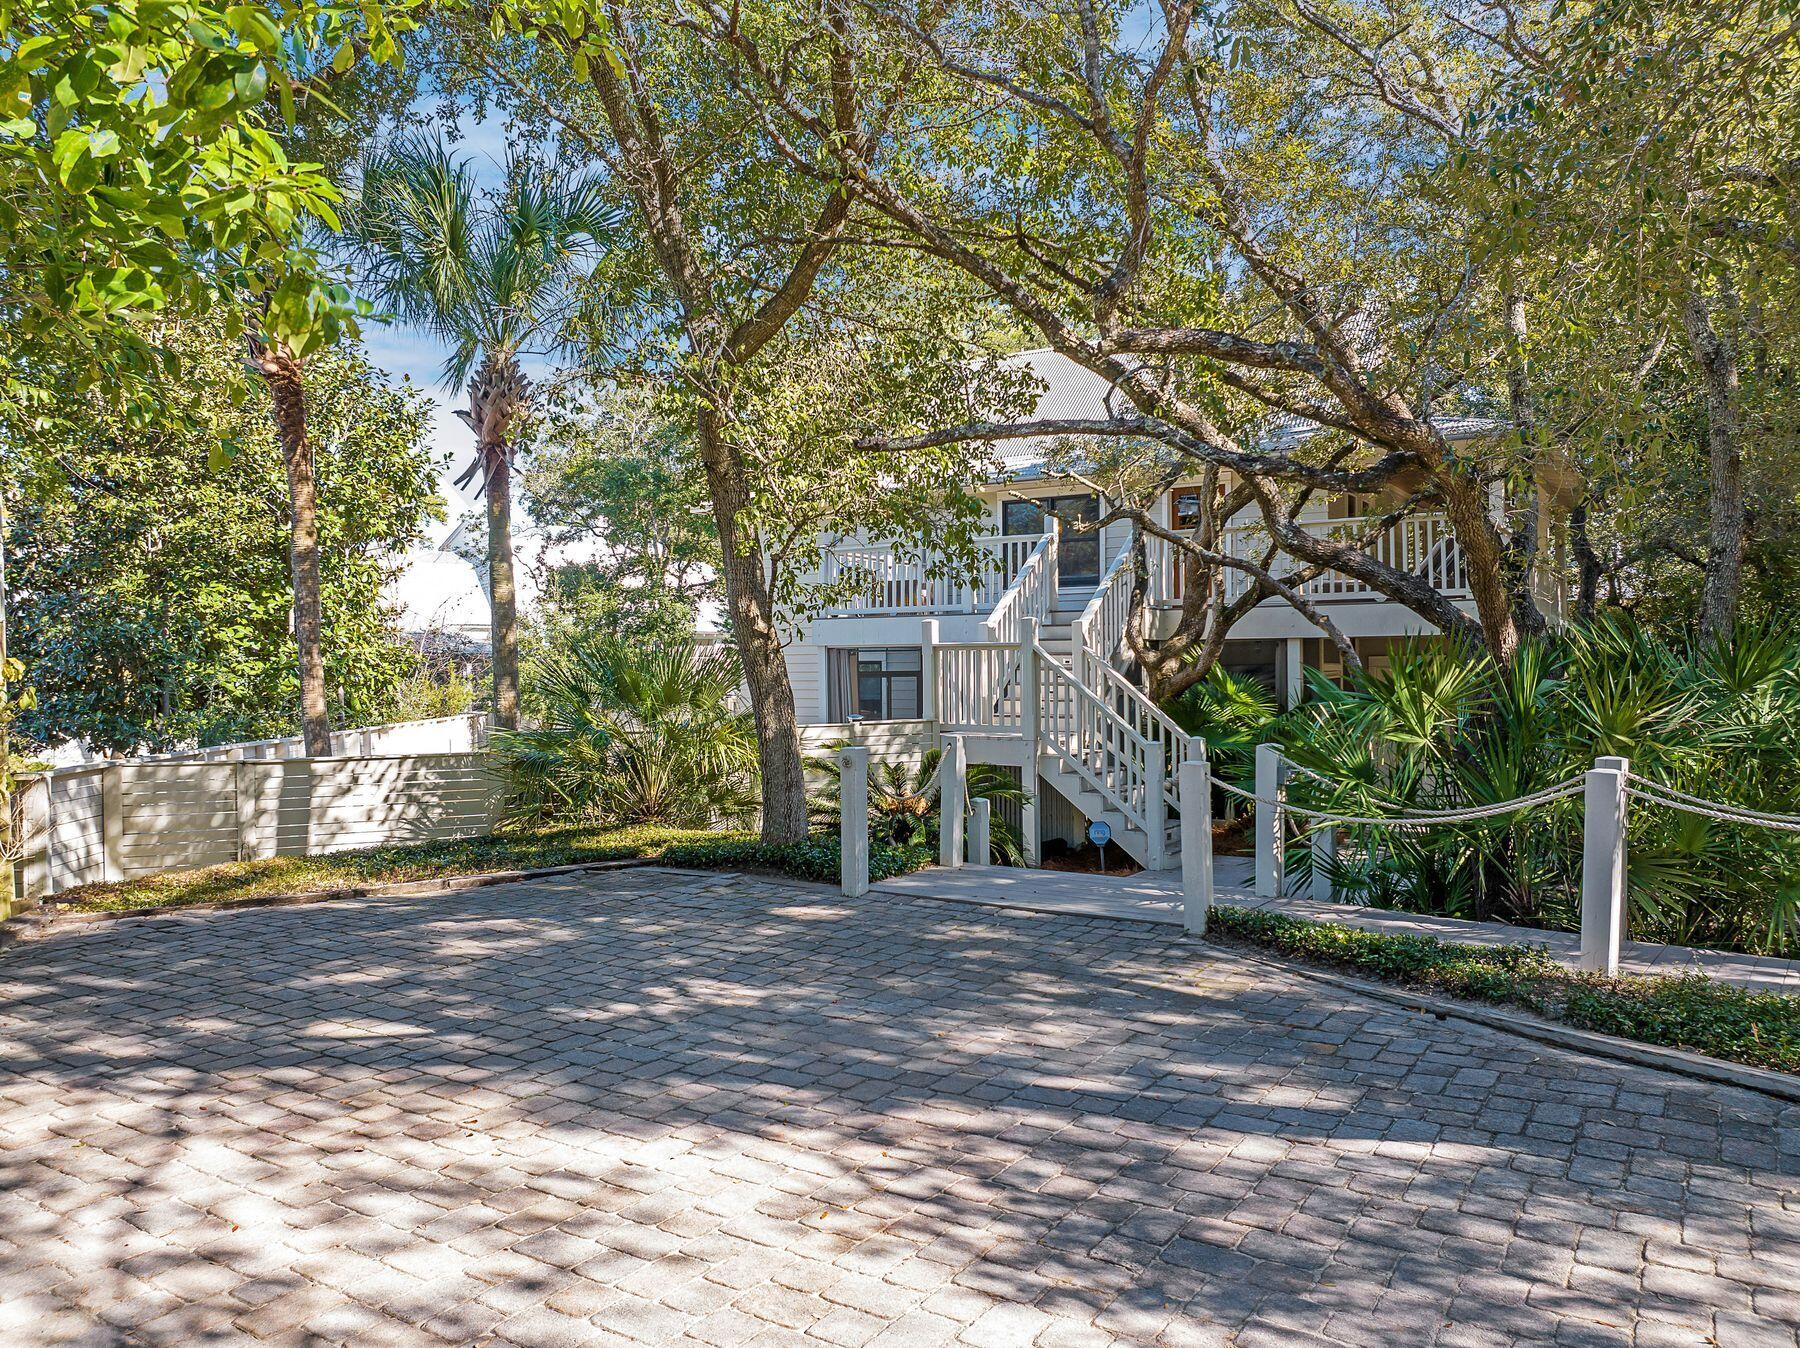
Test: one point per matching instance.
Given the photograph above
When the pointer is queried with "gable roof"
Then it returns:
(1073, 391)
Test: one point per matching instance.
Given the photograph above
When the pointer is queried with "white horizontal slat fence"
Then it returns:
(115, 821)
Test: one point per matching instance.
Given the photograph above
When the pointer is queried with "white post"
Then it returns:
(34, 819)
(1028, 686)
(953, 787)
(112, 823)
(853, 820)
(1156, 805)
(1271, 777)
(1030, 731)
(1603, 866)
(1196, 839)
(980, 830)
(1324, 857)
(1294, 673)
(928, 669)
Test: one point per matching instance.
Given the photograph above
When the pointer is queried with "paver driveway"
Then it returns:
(652, 1107)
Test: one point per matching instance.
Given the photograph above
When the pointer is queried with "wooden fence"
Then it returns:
(113, 821)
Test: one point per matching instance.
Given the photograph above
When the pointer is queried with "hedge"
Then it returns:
(1699, 1014)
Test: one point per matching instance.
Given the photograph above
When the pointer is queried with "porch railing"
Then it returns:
(1420, 545)
(881, 579)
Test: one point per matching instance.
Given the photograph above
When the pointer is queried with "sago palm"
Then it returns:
(496, 276)
(903, 800)
(628, 733)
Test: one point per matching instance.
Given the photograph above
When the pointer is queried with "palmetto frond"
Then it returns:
(631, 734)
(490, 274)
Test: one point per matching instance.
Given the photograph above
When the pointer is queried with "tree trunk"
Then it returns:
(498, 392)
(283, 374)
(752, 611)
(503, 601)
(1717, 358)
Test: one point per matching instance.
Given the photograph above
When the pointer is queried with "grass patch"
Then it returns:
(1758, 1029)
(813, 858)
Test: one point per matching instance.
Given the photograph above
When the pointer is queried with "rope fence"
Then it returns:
(1606, 790)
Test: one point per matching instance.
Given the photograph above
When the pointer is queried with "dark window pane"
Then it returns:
(1021, 517)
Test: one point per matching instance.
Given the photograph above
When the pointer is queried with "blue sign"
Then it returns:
(1099, 833)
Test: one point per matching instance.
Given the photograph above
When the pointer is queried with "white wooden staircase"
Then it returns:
(1042, 691)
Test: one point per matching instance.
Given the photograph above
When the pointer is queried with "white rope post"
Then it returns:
(1603, 866)
(953, 790)
(1195, 779)
(980, 830)
(1156, 805)
(1271, 777)
(1324, 857)
(853, 820)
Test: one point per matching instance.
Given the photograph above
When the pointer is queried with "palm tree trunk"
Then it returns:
(503, 599)
(497, 393)
(283, 374)
(752, 610)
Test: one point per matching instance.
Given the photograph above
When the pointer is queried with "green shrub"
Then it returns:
(814, 858)
(1443, 727)
(1693, 1013)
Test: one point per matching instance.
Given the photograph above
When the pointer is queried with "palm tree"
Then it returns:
(283, 371)
(627, 733)
(903, 800)
(497, 276)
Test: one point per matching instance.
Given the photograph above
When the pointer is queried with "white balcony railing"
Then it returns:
(882, 579)
(1421, 545)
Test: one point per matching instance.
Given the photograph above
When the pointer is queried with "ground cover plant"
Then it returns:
(1693, 1013)
(812, 858)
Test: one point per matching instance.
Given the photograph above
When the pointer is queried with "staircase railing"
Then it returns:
(1098, 633)
(978, 686)
(1031, 593)
(1081, 731)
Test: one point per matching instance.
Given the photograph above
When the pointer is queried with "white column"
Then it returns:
(928, 669)
(1294, 656)
(1156, 807)
(853, 820)
(980, 830)
(953, 784)
(1271, 778)
(1196, 840)
(1028, 686)
(1603, 866)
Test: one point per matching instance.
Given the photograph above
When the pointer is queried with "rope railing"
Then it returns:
(1669, 798)
(1422, 819)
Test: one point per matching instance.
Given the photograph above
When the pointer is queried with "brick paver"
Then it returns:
(652, 1108)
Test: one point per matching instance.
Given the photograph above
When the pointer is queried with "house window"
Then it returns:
(873, 683)
(1078, 554)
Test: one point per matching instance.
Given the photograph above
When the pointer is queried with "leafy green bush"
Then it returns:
(1693, 1013)
(816, 857)
(1442, 727)
(630, 733)
(904, 799)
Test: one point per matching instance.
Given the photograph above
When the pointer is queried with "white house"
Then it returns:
(910, 656)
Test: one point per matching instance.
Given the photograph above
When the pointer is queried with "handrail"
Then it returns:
(1084, 647)
(1153, 723)
(1096, 741)
(1028, 587)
